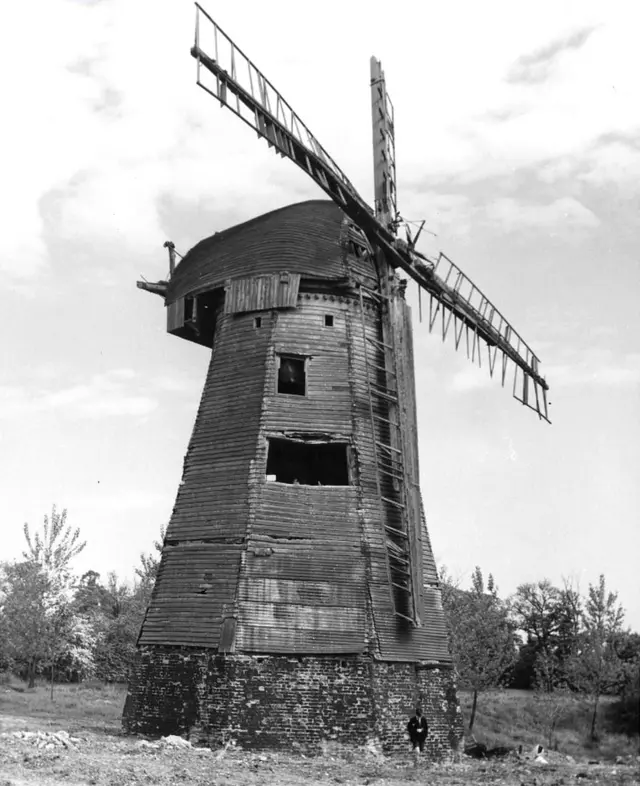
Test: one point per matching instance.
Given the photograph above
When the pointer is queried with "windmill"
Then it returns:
(297, 597)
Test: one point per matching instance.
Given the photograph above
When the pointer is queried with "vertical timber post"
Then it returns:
(392, 318)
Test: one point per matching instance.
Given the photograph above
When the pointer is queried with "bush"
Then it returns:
(623, 715)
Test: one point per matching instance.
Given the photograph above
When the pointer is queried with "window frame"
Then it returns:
(344, 442)
(305, 367)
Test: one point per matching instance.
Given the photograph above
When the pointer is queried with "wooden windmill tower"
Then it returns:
(297, 597)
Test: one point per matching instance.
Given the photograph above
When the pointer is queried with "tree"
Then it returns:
(535, 609)
(38, 607)
(483, 637)
(66, 636)
(551, 693)
(550, 619)
(23, 611)
(147, 571)
(5, 658)
(122, 613)
(58, 545)
(90, 595)
(117, 610)
(551, 706)
(596, 667)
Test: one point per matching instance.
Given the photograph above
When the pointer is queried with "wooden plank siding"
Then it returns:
(280, 567)
(326, 407)
(304, 238)
(175, 315)
(212, 500)
(260, 293)
(194, 583)
(315, 573)
(313, 579)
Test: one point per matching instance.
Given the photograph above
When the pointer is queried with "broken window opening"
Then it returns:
(308, 463)
(328, 320)
(257, 322)
(292, 376)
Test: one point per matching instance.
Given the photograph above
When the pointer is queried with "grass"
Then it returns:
(511, 718)
(89, 706)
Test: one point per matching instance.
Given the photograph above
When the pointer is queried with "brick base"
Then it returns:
(282, 701)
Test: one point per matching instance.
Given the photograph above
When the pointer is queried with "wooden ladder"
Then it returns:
(382, 390)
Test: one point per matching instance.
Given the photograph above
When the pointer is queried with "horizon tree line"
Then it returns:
(547, 639)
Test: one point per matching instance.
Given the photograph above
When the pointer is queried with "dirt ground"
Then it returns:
(107, 759)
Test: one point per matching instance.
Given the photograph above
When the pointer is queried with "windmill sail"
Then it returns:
(228, 75)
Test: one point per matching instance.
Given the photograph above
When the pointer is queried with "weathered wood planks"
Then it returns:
(285, 568)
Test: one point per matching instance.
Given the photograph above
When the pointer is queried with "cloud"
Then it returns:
(449, 214)
(599, 368)
(175, 384)
(103, 395)
(610, 161)
(591, 368)
(566, 213)
(537, 66)
(471, 378)
(454, 215)
(555, 124)
(124, 132)
(48, 131)
(558, 169)
(614, 159)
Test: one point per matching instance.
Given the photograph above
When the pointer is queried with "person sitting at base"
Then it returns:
(418, 730)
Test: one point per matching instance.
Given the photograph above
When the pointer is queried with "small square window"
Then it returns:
(257, 322)
(292, 377)
(328, 320)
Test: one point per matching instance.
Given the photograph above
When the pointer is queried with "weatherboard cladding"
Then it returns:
(259, 293)
(305, 238)
(301, 569)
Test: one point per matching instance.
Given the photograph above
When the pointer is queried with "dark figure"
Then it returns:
(418, 729)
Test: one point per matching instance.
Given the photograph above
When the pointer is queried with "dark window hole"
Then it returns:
(257, 322)
(308, 463)
(328, 320)
(292, 378)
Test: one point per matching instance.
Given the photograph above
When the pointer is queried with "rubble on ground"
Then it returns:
(46, 740)
(171, 741)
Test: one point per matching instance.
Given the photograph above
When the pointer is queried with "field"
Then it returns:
(98, 753)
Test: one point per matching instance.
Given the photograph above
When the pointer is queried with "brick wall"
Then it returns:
(400, 688)
(280, 701)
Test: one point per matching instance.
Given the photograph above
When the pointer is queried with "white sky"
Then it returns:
(518, 139)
